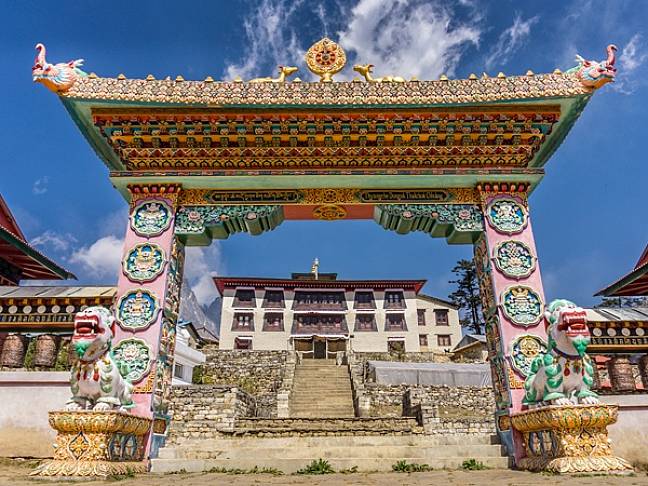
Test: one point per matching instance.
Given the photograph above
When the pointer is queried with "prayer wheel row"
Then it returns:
(14, 350)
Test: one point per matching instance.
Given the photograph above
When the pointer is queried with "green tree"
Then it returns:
(467, 297)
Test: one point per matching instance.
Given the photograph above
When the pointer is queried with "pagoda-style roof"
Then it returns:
(632, 284)
(18, 259)
(262, 282)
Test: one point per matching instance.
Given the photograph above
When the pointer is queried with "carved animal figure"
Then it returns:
(57, 77)
(284, 72)
(366, 70)
(96, 380)
(564, 374)
(595, 74)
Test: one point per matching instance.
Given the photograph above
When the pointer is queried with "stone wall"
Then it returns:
(205, 411)
(420, 357)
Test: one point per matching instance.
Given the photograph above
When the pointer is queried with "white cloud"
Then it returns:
(407, 37)
(40, 185)
(270, 39)
(201, 264)
(54, 241)
(102, 258)
(631, 57)
(510, 41)
(632, 64)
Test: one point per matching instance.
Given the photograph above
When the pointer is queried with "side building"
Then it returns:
(321, 315)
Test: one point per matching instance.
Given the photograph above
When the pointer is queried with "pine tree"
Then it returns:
(467, 297)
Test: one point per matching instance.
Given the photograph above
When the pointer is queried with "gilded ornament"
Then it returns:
(514, 259)
(325, 58)
(137, 309)
(506, 215)
(329, 212)
(136, 354)
(151, 218)
(329, 196)
(284, 72)
(524, 349)
(144, 262)
(365, 70)
(522, 305)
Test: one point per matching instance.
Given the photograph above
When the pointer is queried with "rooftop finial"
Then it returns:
(315, 268)
(325, 58)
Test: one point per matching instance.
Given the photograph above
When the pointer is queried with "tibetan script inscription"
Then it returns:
(405, 196)
(252, 197)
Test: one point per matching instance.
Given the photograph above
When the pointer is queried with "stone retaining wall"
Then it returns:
(205, 411)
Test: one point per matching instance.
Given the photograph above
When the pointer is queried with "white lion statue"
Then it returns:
(96, 382)
(564, 374)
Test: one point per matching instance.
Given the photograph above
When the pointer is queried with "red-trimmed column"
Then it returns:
(148, 296)
(512, 297)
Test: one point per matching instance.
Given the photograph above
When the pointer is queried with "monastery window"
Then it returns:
(395, 322)
(396, 345)
(274, 299)
(178, 371)
(394, 300)
(243, 343)
(320, 323)
(273, 321)
(364, 300)
(244, 298)
(420, 314)
(365, 322)
(444, 340)
(243, 321)
(319, 301)
(441, 317)
(423, 340)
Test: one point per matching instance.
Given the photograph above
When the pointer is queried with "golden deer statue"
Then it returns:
(367, 69)
(284, 72)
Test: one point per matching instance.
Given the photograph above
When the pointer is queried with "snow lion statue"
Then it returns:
(564, 374)
(96, 382)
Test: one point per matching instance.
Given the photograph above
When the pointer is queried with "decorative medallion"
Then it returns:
(151, 218)
(514, 259)
(325, 58)
(506, 215)
(522, 305)
(137, 309)
(144, 262)
(329, 212)
(136, 354)
(524, 350)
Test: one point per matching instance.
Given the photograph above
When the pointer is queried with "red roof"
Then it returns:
(15, 250)
(633, 284)
(261, 282)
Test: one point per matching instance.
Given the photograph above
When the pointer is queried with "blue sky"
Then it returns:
(589, 214)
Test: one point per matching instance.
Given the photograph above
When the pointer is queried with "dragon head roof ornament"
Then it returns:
(594, 74)
(56, 77)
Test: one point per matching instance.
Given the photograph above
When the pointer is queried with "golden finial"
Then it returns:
(208, 79)
(557, 71)
(121, 76)
(443, 77)
(297, 80)
(238, 79)
(93, 75)
(150, 77)
(356, 80)
(179, 79)
(530, 73)
(501, 75)
(472, 76)
(325, 58)
(414, 79)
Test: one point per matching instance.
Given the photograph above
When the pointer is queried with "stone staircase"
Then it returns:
(321, 390)
(341, 450)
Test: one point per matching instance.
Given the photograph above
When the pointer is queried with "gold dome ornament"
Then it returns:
(325, 58)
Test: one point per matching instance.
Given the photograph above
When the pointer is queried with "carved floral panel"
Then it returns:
(514, 259)
(136, 355)
(137, 309)
(522, 305)
(144, 262)
(151, 218)
(524, 349)
(506, 215)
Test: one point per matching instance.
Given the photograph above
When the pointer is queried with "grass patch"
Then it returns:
(120, 477)
(406, 467)
(473, 465)
(320, 466)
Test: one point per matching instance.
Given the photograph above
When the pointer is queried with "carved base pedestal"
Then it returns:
(569, 439)
(96, 444)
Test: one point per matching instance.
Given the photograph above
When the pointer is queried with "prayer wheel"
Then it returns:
(621, 376)
(45, 350)
(643, 369)
(13, 351)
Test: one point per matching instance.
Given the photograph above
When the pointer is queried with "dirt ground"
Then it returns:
(17, 474)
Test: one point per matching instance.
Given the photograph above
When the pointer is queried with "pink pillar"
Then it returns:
(513, 301)
(148, 296)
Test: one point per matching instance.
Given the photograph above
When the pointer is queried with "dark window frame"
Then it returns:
(273, 303)
(365, 304)
(360, 326)
(444, 336)
(244, 303)
(445, 321)
(420, 317)
(237, 326)
(423, 340)
(267, 327)
(394, 303)
(391, 327)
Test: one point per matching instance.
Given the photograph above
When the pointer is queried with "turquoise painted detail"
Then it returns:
(459, 223)
(151, 218)
(198, 225)
(137, 309)
(506, 215)
(522, 305)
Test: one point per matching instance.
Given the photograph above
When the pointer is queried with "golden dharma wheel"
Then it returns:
(325, 58)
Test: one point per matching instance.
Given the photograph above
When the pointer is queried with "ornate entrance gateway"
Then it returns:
(457, 159)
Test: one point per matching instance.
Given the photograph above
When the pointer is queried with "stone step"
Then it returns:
(320, 400)
(329, 424)
(290, 465)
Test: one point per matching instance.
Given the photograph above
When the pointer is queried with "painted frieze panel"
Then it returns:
(174, 278)
(522, 305)
(484, 277)
(493, 339)
(136, 355)
(137, 309)
(524, 349)
(514, 259)
(500, 383)
(506, 215)
(144, 262)
(151, 218)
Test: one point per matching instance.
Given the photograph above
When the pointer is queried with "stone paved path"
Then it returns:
(12, 474)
